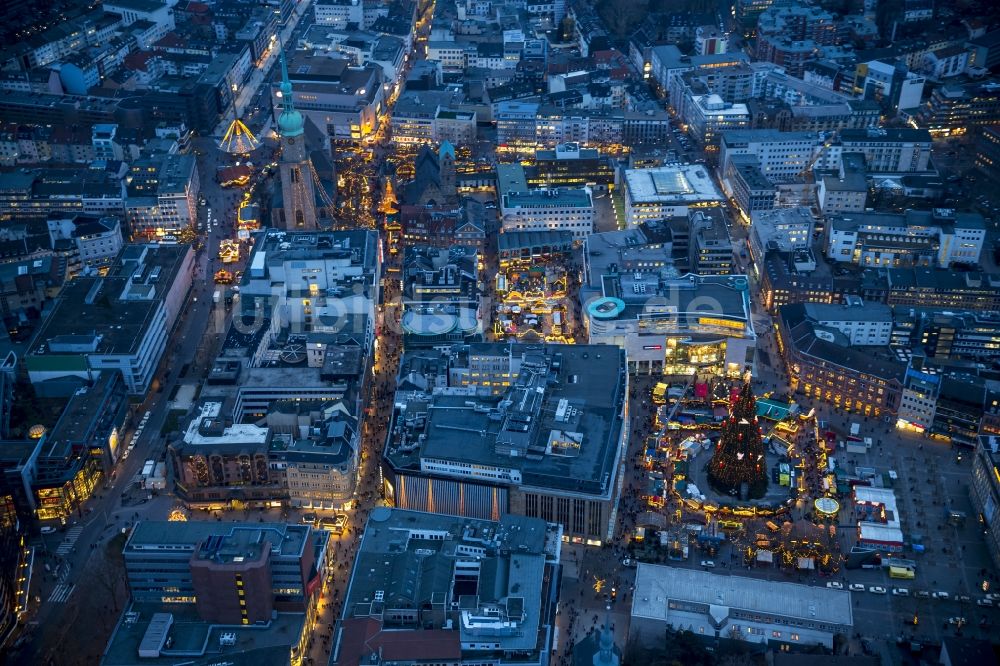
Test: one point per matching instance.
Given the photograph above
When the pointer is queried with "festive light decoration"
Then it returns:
(238, 140)
(739, 456)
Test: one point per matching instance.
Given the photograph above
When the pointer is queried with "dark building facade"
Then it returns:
(232, 573)
(988, 152)
(232, 581)
(985, 491)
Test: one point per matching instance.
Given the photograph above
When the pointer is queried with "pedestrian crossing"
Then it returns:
(61, 593)
(66, 547)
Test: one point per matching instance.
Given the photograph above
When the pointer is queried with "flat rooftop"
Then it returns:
(281, 246)
(110, 315)
(493, 570)
(627, 249)
(320, 73)
(319, 33)
(876, 222)
(690, 296)
(511, 179)
(196, 643)
(567, 151)
(162, 535)
(282, 377)
(561, 415)
(208, 428)
(742, 137)
(885, 134)
(136, 5)
(657, 585)
(768, 221)
(676, 185)
(175, 174)
(549, 198)
(82, 417)
(877, 312)
(90, 318)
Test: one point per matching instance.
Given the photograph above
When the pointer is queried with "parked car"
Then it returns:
(876, 589)
(901, 591)
(940, 595)
(856, 587)
(923, 594)
(986, 603)
(834, 585)
(709, 564)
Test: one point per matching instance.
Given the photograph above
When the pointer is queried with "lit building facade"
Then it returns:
(162, 195)
(662, 192)
(920, 238)
(822, 364)
(549, 210)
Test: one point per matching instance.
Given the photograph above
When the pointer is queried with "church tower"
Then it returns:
(446, 163)
(297, 189)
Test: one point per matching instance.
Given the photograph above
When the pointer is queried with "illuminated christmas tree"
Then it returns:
(739, 456)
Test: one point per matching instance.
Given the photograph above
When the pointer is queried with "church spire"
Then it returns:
(286, 84)
(290, 122)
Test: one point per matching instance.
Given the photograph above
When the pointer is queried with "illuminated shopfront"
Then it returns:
(687, 357)
(58, 501)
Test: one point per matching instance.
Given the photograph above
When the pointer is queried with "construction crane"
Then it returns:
(807, 169)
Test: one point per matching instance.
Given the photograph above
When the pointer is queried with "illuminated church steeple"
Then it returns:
(297, 188)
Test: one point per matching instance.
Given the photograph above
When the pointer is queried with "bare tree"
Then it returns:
(108, 577)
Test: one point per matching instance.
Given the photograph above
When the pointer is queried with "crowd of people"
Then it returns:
(345, 548)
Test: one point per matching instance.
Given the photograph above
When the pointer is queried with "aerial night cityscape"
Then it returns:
(500, 332)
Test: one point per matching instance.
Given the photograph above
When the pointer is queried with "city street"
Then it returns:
(106, 517)
(69, 553)
(582, 607)
(200, 326)
(263, 72)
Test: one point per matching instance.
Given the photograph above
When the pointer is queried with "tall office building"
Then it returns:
(298, 195)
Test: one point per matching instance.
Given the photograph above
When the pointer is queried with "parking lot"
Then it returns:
(931, 480)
